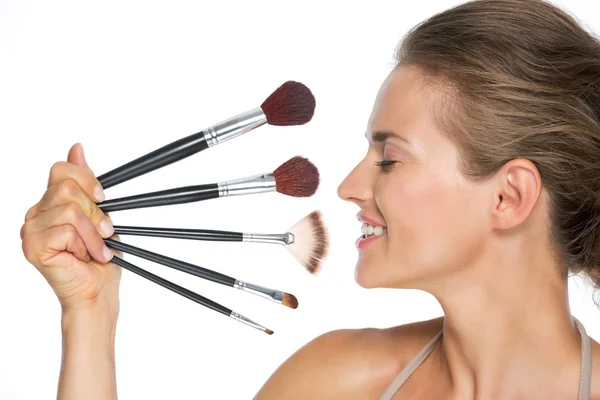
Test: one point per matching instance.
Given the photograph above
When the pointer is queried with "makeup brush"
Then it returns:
(189, 294)
(290, 104)
(307, 240)
(296, 177)
(287, 299)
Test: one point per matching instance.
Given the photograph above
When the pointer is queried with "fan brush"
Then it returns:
(307, 240)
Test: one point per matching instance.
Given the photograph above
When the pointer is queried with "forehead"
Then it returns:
(403, 102)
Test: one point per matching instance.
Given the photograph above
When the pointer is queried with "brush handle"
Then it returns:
(176, 233)
(172, 263)
(166, 155)
(186, 194)
(172, 286)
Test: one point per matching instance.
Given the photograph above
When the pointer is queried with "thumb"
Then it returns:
(77, 157)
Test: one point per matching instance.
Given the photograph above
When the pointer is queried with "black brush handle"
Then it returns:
(172, 286)
(158, 158)
(176, 233)
(171, 262)
(186, 194)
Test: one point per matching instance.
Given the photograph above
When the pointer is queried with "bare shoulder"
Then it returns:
(349, 363)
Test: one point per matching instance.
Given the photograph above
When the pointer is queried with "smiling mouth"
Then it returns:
(369, 230)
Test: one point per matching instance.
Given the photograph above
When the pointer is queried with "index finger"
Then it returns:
(83, 176)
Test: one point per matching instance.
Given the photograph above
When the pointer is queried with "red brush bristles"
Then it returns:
(297, 177)
(290, 104)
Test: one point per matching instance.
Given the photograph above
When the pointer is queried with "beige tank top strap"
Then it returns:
(410, 368)
(585, 380)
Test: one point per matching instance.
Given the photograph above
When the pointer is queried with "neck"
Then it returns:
(508, 329)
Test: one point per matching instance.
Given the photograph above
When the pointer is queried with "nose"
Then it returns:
(357, 187)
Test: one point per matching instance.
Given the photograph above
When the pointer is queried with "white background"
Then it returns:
(126, 77)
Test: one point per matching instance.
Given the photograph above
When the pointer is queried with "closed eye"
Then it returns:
(386, 165)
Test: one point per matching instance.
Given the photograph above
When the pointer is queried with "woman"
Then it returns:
(481, 185)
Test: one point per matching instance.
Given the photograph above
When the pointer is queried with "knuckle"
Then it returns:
(68, 189)
(28, 249)
(24, 230)
(30, 212)
(70, 233)
(73, 213)
(55, 170)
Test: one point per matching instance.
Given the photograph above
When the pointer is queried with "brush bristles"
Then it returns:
(311, 242)
(289, 300)
(268, 331)
(297, 177)
(290, 104)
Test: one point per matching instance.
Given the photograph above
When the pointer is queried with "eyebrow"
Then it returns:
(382, 136)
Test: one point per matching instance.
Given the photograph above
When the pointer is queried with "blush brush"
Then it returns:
(290, 104)
(297, 177)
(307, 240)
(188, 294)
(287, 299)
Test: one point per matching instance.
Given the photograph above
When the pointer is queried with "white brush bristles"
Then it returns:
(311, 241)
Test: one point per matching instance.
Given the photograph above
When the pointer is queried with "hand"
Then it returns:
(63, 237)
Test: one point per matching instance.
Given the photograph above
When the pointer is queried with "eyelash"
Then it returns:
(386, 165)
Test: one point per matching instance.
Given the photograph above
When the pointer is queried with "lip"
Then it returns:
(362, 243)
(368, 220)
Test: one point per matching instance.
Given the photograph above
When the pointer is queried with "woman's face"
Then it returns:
(434, 220)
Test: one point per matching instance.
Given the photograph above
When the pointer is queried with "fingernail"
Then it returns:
(106, 228)
(107, 253)
(99, 194)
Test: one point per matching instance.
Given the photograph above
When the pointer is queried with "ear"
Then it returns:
(518, 191)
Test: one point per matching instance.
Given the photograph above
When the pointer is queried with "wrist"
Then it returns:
(98, 321)
(92, 310)
(88, 361)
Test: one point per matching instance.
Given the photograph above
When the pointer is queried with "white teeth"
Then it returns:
(368, 230)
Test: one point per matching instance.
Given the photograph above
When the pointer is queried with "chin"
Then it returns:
(371, 274)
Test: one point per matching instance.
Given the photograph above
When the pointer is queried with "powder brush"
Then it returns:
(290, 104)
(296, 177)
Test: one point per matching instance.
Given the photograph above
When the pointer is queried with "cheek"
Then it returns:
(429, 218)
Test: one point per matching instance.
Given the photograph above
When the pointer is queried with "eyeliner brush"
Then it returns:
(287, 299)
(188, 294)
(290, 104)
(297, 177)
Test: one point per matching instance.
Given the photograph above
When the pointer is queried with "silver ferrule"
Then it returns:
(267, 293)
(247, 321)
(278, 238)
(249, 185)
(234, 126)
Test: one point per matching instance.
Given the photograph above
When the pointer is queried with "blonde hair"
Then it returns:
(521, 79)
